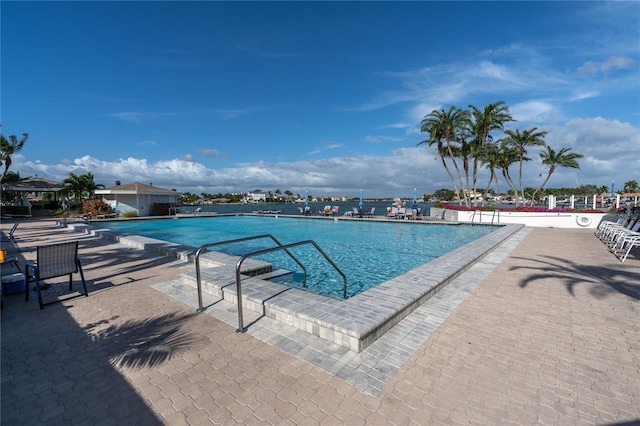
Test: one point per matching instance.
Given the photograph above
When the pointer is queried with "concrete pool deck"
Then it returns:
(549, 333)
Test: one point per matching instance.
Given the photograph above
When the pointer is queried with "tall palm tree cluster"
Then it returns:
(465, 142)
(79, 187)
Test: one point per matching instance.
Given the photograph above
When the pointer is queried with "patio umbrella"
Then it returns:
(306, 198)
(360, 199)
(414, 195)
(613, 188)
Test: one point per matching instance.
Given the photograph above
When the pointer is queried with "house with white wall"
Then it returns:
(257, 196)
(137, 197)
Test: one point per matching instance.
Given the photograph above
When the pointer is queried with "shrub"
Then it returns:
(522, 209)
(95, 206)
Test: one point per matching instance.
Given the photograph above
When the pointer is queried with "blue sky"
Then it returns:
(319, 96)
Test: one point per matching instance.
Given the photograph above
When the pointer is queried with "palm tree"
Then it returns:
(9, 147)
(631, 186)
(520, 142)
(81, 186)
(73, 185)
(553, 159)
(493, 117)
(445, 129)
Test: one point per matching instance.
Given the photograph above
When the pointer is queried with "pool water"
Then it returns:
(368, 252)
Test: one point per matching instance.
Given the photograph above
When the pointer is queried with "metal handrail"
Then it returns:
(238, 240)
(241, 328)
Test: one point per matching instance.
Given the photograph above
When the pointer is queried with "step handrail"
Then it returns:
(241, 327)
(237, 240)
(494, 216)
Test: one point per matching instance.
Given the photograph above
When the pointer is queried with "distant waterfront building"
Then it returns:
(257, 196)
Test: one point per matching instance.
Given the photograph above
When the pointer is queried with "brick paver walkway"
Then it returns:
(552, 335)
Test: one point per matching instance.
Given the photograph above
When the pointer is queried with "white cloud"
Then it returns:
(212, 153)
(613, 63)
(534, 111)
(139, 117)
(380, 139)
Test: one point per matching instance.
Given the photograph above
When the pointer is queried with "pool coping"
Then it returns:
(353, 323)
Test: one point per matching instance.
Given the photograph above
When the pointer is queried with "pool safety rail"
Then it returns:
(204, 248)
(280, 247)
(493, 213)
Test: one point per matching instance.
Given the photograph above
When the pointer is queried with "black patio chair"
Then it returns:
(54, 260)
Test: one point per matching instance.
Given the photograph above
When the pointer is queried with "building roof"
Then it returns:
(137, 188)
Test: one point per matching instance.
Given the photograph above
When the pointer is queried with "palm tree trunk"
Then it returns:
(453, 180)
(455, 165)
(486, 191)
(511, 183)
(533, 197)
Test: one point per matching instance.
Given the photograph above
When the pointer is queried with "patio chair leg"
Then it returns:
(84, 284)
(26, 282)
(39, 292)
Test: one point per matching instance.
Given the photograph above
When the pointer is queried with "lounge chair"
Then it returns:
(370, 212)
(606, 226)
(622, 249)
(612, 231)
(619, 236)
(54, 260)
(334, 210)
(393, 214)
(402, 212)
(10, 236)
(326, 211)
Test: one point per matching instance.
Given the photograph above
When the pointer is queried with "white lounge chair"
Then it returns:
(623, 247)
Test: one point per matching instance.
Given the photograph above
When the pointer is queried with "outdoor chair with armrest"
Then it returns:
(54, 260)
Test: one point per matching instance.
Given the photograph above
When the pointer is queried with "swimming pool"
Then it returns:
(368, 252)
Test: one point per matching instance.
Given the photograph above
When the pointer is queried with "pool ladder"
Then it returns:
(280, 247)
(479, 212)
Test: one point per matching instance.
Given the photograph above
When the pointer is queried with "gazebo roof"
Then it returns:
(33, 185)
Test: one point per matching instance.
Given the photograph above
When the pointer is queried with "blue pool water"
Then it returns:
(368, 252)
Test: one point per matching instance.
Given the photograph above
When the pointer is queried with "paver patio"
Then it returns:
(550, 335)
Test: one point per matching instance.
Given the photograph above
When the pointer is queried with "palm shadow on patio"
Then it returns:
(603, 281)
(146, 343)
